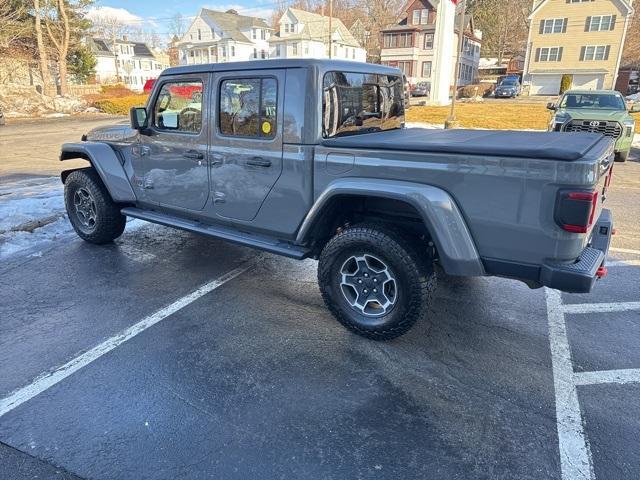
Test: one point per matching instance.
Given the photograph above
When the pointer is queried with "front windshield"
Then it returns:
(508, 83)
(593, 100)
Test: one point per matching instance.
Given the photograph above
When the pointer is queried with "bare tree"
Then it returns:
(59, 32)
(111, 28)
(14, 26)
(43, 55)
(631, 52)
(177, 26)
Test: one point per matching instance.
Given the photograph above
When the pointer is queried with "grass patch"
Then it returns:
(491, 116)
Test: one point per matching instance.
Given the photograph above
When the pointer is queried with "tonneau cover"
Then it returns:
(505, 143)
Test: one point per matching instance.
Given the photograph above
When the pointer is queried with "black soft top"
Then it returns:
(495, 143)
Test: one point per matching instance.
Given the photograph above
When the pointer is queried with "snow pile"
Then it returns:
(20, 100)
(31, 212)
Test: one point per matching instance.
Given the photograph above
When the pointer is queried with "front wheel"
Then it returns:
(93, 214)
(375, 281)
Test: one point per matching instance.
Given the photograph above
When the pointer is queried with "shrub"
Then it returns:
(476, 90)
(565, 83)
(120, 105)
(117, 90)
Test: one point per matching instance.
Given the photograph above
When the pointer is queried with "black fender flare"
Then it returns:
(106, 162)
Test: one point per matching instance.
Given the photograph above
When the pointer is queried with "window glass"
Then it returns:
(361, 103)
(248, 107)
(593, 100)
(178, 107)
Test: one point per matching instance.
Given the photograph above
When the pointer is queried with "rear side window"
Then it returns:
(178, 107)
(361, 103)
(247, 107)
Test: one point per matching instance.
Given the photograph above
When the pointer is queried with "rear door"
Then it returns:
(176, 147)
(246, 140)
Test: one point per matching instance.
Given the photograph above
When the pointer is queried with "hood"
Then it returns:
(119, 132)
(594, 114)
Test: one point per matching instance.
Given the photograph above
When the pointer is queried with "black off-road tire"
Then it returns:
(411, 266)
(621, 156)
(108, 223)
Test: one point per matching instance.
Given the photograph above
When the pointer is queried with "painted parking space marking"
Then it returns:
(627, 375)
(49, 379)
(576, 462)
(578, 308)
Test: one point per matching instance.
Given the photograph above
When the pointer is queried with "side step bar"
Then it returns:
(256, 241)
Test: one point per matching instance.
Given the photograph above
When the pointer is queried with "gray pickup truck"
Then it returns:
(311, 158)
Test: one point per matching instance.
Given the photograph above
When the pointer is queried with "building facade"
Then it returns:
(216, 37)
(580, 38)
(303, 34)
(410, 45)
(127, 62)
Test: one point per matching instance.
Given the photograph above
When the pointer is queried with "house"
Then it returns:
(579, 38)
(216, 37)
(411, 46)
(303, 34)
(125, 61)
(628, 82)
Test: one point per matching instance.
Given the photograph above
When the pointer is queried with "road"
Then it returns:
(169, 355)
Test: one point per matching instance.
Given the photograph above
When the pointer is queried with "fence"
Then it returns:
(80, 90)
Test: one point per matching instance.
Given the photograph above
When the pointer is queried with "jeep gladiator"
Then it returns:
(311, 158)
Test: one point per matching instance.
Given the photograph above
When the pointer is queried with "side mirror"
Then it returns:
(138, 117)
(551, 106)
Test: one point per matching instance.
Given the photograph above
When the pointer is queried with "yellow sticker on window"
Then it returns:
(266, 128)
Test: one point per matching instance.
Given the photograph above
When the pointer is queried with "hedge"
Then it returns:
(120, 105)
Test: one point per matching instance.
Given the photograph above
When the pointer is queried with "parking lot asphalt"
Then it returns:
(169, 355)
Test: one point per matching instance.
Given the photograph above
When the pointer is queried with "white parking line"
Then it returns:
(600, 307)
(629, 375)
(48, 380)
(575, 455)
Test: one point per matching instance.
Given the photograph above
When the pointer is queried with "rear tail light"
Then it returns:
(575, 210)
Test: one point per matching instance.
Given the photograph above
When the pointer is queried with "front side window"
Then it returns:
(361, 103)
(178, 107)
(248, 107)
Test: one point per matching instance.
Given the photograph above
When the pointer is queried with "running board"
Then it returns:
(251, 240)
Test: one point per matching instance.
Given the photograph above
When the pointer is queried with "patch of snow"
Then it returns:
(55, 115)
(423, 125)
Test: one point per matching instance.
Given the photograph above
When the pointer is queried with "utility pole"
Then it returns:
(451, 120)
(330, 28)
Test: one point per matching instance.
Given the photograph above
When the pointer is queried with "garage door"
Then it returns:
(588, 82)
(545, 84)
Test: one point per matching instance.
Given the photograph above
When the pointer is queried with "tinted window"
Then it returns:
(361, 103)
(248, 107)
(178, 107)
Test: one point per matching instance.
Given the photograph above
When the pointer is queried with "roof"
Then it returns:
(316, 27)
(102, 47)
(322, 65)
(232, 23)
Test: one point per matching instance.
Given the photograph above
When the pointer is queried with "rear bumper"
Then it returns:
(575, 277)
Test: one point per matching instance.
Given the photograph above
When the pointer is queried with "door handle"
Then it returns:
(193, 154)
(258, 162)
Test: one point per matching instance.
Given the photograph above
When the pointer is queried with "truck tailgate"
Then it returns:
(503, 143)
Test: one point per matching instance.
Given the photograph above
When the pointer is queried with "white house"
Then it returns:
(215, 37)
(125, 61)
(304, 34)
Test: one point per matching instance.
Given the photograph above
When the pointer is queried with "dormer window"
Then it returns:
(286, 28)
(292, 27)
(199, 34)
(420, 16)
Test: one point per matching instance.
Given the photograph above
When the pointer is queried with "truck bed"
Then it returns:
(538, 145)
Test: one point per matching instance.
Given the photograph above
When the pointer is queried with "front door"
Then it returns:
(176, 147)
(246, 146)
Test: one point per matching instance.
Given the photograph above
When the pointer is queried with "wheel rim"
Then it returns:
(85, 208)
(368, 285)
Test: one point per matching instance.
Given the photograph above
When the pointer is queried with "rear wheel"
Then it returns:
(93, 214)
(622, 156)
(374, 281)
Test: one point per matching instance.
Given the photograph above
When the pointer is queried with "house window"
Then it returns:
(255, 53)
(199, 34)
(277, 50)
(286, 28)
(353, 53)
(428, 41)
(233, 50)
(420, 16)
(248, 107)
(306, 49)
(292, 28)
(553, 25)
(600, 23)
(549, 54)
(294, 48)
(416, 17)
(213, 33)
(254, 35)
(405, 67)
(595, 52)
(426, 69)
(335, 50)
(263, 54)
(398, 40)
(224, 51)
(263, 34)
